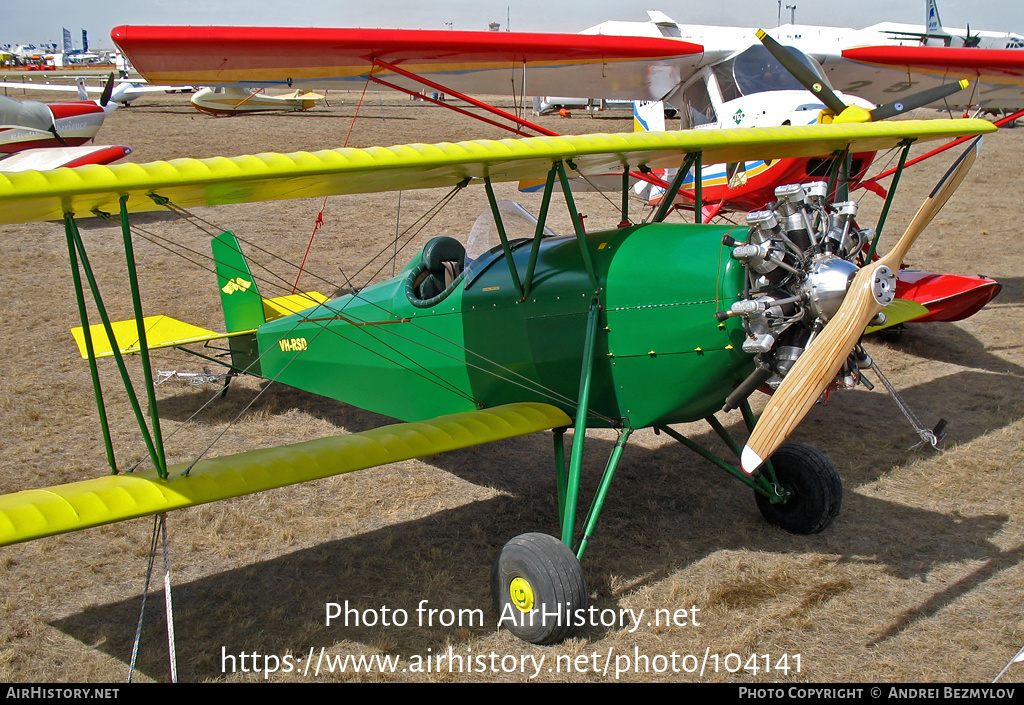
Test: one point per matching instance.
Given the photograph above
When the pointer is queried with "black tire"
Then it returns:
(816, 491)
(549, 580)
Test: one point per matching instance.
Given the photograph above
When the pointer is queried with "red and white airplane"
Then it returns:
(38, 136)
(716, 76)
(713, 75)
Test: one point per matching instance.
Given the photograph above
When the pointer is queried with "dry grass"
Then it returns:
(918, 580)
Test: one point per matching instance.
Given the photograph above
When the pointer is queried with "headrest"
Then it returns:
(443, 249)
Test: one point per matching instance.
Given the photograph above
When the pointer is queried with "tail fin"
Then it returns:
(244, 311)
(239, 295)
(935, 35)
(934, 24)
(648, 116)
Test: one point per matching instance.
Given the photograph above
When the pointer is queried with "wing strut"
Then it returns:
(519, 122)
(580, 429)
(461, 96)
(888, 197)
(692, 161)
(77, 254)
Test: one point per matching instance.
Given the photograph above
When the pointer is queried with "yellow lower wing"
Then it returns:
(33, 514)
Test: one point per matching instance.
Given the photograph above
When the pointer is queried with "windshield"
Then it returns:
(517, 221)
(755, 70)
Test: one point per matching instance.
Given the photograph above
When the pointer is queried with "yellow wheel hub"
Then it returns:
(521, 593)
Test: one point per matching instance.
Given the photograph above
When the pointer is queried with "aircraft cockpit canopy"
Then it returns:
(755, 70)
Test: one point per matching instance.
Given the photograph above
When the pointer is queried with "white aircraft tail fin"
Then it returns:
(935, 35)
(648, 116)
(660, 18)
(933, 24)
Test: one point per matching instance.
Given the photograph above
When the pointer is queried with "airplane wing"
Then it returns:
(33, 514)
(265, 177)
(124, 91)
(880, 73)
(992, 65)
(472, 62)
(57, 87)
(46, 158)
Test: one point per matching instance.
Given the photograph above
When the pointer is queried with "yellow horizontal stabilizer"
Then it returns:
(161, 332)
(49, 195)
(899, 311)
(292, 303)
(33, 514)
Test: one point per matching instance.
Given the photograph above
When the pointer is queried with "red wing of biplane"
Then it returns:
(877, 72)
(476, 62)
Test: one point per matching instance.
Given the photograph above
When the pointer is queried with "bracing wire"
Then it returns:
(485, 365)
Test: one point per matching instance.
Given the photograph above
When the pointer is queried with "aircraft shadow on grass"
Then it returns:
(667, 510)
(1012, 291)
(943, 342)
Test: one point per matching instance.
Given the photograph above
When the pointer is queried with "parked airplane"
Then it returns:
(615, 60)
(30, 130)
(878, 63)
(936, 34)
(644, 325)
(237, 101)
(124, 92)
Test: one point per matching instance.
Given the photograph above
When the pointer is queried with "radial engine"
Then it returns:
(800, 256)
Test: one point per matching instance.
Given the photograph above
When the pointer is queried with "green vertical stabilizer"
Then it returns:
(239, 295)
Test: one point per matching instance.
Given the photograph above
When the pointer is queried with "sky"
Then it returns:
(24, 22)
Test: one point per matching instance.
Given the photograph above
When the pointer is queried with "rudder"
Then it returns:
(239, 295)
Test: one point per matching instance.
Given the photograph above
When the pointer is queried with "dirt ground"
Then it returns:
(919, 580)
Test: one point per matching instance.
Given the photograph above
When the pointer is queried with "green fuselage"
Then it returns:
(660, 354)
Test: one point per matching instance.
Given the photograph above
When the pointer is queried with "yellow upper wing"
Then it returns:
(30, 196)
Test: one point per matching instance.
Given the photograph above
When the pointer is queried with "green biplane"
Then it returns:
(645, 325)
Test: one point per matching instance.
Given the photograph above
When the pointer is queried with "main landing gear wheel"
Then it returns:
(815, 490)
(538, 588)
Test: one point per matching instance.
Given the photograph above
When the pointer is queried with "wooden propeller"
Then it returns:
(820, 362)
